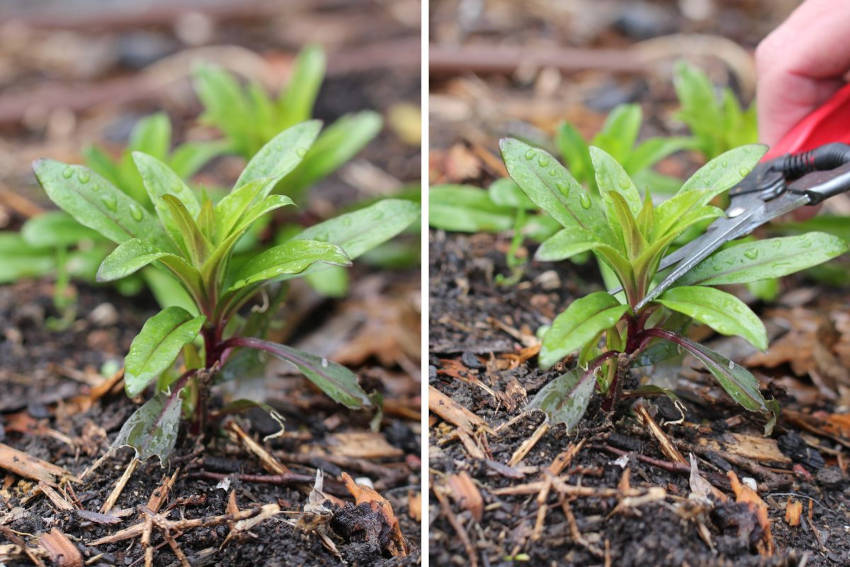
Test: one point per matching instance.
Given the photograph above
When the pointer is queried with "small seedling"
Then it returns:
(249, 118)
(630, 235)
(193, 240)
(717, 125)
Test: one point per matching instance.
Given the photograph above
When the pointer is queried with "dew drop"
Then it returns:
(529, 155)
(553, 172)
(542, 161)
(110, 202)
(724, 164)
(624, 182)
(563, 188)
(135, 212)
(584, 199)
(751, 253)
(83, 176)
(178, 188)
(300, 152)
(324, 362)
(69, 171)
(731, 365)
(743, 172)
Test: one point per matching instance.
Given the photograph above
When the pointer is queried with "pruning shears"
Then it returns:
(810, 164)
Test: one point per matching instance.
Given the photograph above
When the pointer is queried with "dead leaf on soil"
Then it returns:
(793, 510)
(377, 502)
(466, 494)
(756, 447)
(747, 495)
(453, 412)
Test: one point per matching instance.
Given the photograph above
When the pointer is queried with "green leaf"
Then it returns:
(152, 429)
(281, 154)
(56, 229)
(565, 243)
(335, 380)
(160, 181)
(127, 258)
(361, 230)
(230, 209)
(225, 107)
(620, 131)
(582, 321)
(190, 157)
(653, 150)
(552, 188)
(336, 145)
(463, 208)
(738, 382)
(295, 103)
(97, 204)
(565, 399)
(505, 193)
(574, 150)
(196, 244)
(291, 257)
(612, 178)
(168, 290)
(726, 170)
(152, 135)
(622, 216)
(769, 258)
(100, 162)
(22, 260)
(832, 224)
(330, 282)
(721, 311)
(157, 345)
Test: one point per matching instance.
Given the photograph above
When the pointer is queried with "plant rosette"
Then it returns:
(630, 235)
(193, 240)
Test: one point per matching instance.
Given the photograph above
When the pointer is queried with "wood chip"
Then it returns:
(453, 412)
(414, 505)
(667, 447)
(268, 461)
(528, 444)
(793, 511)
(754, 447)
(362, 445)
(60, 549)
(55, 498)
(30, 467)
(119, 486)
(466, 494)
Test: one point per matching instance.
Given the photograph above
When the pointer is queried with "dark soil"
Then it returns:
(31, 386)
(465, 301)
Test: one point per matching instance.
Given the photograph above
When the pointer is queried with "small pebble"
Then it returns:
(470, 360)
(830, 476)
(104, 315)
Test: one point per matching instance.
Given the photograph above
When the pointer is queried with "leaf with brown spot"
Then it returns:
(377, 502)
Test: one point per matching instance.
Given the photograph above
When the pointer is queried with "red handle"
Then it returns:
(829, 123)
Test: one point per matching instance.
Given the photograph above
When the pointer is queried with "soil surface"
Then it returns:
(473, 323)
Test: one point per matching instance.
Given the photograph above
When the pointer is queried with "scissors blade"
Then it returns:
(723, 230)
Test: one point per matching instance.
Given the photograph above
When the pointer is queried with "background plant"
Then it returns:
(193, 239)
(249, 118)
(630, 235)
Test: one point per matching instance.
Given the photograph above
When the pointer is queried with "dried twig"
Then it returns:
(446, 509)
(528, 444)
(119, 486)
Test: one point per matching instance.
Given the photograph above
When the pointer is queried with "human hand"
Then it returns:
(801, 64)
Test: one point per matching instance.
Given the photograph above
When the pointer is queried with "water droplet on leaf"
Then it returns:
(624, 182)
(584, 199)
(136, 212)
(751, 253)
(83, 176)
(542, 161)
(300, 152)
(110, 202)
(69, 171)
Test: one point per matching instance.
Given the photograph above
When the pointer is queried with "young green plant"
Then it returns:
(630, 235)
(193, 240)
(249, 118)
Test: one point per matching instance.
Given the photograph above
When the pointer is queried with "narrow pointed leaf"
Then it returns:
(335, 380)
(97, 204)
(620, 131)
(565, 243)
(611, 177)
(721, 311)
(727, 169)
(463, 208)
(152, 429)
(190, 157)
(152, 135)
(505, 193)
(281, 154)
(552, 188)
(362, 230)
(157, 345)
(580, 323)
(291, 257)
(738, 382)
(653, 150)
(769, 258)
(127, 258)
(574, 150)
(56, 229)
(565, 399)
(295, 103)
